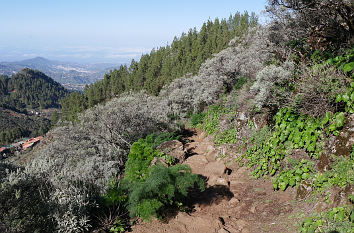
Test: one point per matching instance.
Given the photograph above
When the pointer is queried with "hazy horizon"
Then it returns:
(104, 31)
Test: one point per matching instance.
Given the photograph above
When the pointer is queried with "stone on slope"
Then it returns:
(173, 148)
(197, 163)
(216, 168)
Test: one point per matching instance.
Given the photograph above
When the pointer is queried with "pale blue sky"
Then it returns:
(102, 30)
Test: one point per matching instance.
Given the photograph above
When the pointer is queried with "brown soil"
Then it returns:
(233, 200)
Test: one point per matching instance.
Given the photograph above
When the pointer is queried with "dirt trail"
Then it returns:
(233, 201)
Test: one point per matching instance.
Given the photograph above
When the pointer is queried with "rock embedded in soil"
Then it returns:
(211, 155)
(197, 163)
(216, 168)
(173, 148)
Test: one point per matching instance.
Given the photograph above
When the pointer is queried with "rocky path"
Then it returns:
(233, 201)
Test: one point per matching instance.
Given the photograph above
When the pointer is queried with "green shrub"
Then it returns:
(165, 186)
(24, 205)
(139, 160)
(143, 152)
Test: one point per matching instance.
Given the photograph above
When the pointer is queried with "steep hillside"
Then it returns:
(14, 125)
(30, 89)
(153, 71)
(23, 97)
(273, 150)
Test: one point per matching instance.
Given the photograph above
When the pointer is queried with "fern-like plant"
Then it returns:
(165, 186)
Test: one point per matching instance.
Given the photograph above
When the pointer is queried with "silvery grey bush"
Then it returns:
(24, 202)
(268, 80)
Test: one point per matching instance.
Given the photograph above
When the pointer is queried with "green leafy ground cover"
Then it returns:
(270, 152)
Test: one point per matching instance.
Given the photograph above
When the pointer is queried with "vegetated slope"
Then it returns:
(158, 68)
(71, 75)
(95, 150)
(15, 125)
(30, 89)
(266, 116)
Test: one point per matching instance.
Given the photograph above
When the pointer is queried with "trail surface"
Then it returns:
(233, 201)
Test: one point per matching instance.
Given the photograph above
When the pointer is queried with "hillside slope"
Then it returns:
(29, 89)
(276, 152)
(23, 97)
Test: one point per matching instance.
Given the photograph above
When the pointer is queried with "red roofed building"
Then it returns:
(31, 142)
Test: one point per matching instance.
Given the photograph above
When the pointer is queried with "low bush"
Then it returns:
(317, 89)
(273, 85)
(142, 152)
(163, 187)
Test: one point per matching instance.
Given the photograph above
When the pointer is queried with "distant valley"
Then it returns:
(72, 76)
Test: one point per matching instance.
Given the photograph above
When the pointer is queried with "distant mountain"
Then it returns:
(70, 75)
(30, 89)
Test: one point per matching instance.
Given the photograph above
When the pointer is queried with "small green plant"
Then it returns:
(341, 174)
(240, 82)
(293, 176)
(344, 62)
(170, 160)
(338, 219)
(250, 124)
(212, 118)
(351, 198)
(291, 131)
(348, 99)
(222, 155)
(226, 137)
(197, 119)
(143, 152)
(118, 227)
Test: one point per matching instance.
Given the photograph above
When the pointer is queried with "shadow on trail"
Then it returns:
(211, 195)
